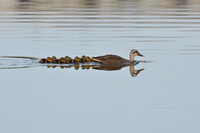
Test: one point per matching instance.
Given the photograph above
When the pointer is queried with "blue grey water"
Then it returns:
(164, 97)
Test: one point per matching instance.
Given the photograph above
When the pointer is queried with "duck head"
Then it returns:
(134, 53)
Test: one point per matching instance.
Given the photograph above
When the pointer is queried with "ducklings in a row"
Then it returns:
(66, 60)
(76, 67)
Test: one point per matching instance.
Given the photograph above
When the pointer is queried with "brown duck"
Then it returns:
(115, 59)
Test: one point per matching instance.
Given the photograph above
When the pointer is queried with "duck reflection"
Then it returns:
(132, 70)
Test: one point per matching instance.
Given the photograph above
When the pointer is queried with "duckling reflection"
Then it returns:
(132, 69)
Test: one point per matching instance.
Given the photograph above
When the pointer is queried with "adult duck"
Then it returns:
(115, 59)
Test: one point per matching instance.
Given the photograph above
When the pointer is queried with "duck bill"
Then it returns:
(140, 55)
(141, 69)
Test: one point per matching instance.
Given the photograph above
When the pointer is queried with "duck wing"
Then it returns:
(104, 58)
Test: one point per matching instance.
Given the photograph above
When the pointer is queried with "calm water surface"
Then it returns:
(164, 97)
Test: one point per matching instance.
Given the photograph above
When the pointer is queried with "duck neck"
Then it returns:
(132, 58)
(132, 70)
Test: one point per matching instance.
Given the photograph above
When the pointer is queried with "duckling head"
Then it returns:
(53, 58)
(83, 57)
(67, 58)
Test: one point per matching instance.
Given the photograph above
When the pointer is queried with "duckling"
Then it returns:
(43, 60)
(54, 59)
(62, 60)
(76, 59)
(49, 60)
(83, 59)
(88, 59)
(67, 59)
(76, 67)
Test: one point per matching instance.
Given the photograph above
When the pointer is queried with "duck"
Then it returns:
(115, 59)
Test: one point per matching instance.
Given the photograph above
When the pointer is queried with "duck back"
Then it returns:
(110, 59)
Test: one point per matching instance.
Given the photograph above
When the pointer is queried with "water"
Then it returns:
(164, 97)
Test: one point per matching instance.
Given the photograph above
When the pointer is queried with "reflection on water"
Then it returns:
(132, 71)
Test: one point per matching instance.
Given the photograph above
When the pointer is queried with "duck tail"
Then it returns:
(95, 59)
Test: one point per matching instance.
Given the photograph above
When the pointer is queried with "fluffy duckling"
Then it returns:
(76, 59)
(67, 59)
(88, 59)
(54, 59)
(49, 60)
(62, 60)
(83, 59)
(43, 60)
